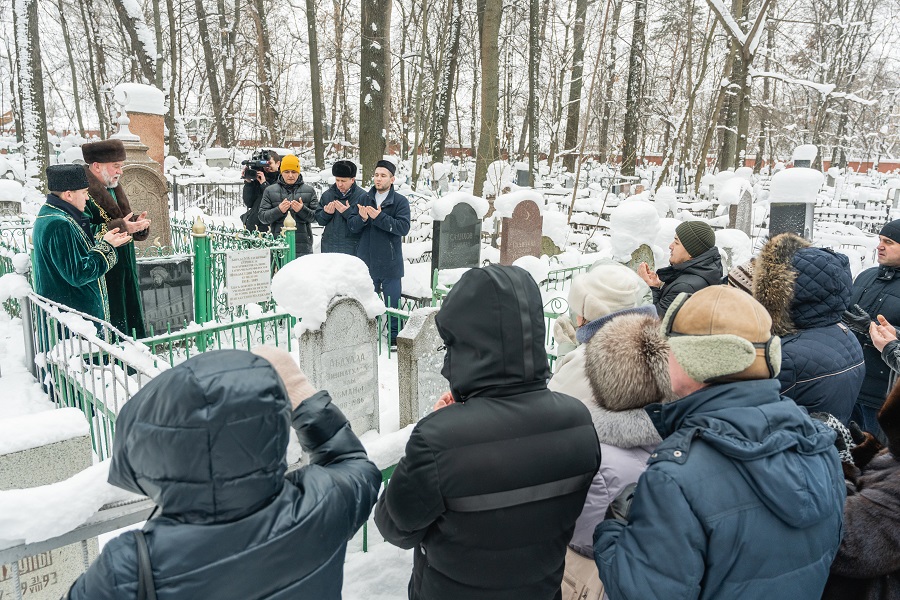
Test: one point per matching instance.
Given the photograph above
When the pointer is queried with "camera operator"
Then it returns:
(256, 178)
(290, 193)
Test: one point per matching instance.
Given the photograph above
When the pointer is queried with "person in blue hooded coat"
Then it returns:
(206, 441)
(806, 291)
(743, 498)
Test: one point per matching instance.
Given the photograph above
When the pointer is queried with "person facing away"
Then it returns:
(806, 291)
(255, 183)
(206, 441)
(876, 291)
(109, 208)
(694, 264)
(382, 221)
(290, 193)
(69, 263)
(492, 480)
(338, 205)
(743, 497)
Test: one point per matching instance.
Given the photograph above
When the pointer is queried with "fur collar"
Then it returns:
(624, 428)
(774, 279)
(102, 198)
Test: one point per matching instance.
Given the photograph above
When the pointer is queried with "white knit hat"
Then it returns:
(605, 289)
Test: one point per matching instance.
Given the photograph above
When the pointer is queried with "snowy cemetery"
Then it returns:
(208, 284)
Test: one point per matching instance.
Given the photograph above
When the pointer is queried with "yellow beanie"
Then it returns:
(290, 163)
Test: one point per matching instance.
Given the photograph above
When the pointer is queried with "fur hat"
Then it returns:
(627, 363)
(344, 168)
(290, 163)
(605, 289)
(106, 151)
(721, 334)
(696, 236)
(66, 178)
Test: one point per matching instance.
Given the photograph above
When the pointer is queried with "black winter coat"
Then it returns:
(877, 291)
(381, 244)
(206, 441)
(338, 236)
(252, 196)
(490, 487)
(690, 276)
(271, 215)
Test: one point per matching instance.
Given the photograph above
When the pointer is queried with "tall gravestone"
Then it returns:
(167, 293)
(744, 217)
(456, 242)
(792, 196)
(342, 358)
(521, 233)
(47, 575)
(419, 364)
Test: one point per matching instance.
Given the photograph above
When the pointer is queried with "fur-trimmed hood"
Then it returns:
(114, 211)
(801, 287)
(626, 363)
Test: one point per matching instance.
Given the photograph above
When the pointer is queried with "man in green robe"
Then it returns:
(108, 208)
(69, 264)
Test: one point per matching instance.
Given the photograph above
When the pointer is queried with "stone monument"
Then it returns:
(744, 217)
(643, 254)
(342, 358)
(419, 366)
(47, 575)
(456, 242)
(142, 106)
(521, 233)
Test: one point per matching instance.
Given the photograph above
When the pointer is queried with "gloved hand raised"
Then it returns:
(620, 507)
(857, 320)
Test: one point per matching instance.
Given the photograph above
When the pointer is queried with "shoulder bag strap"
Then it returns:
(146, 589)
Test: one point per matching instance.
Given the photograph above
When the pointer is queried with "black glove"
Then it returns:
(857, 319)
(858, 435)
(620, 507)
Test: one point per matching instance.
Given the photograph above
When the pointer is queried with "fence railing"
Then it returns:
(213, 198)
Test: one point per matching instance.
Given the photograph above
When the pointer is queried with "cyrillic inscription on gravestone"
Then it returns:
(521, 233)
(457, 239)
(248, 276)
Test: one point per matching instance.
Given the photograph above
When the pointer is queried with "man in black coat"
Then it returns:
(695, 263)
(290, 193)
(493, 480)
(338, 207)
(255, 183)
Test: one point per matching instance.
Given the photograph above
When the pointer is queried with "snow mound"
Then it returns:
(736, 243)
(10, 191)
(538, 268)
(731, 191)
(306, 286)
(556, 227)
(137, 97)
(805, 152)
(443, 206)
(42, 428)
(666, 201)
(13, 285)
(505, 205)
(632, 223)
(797, 185)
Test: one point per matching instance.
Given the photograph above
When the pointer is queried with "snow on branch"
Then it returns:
(826, 89)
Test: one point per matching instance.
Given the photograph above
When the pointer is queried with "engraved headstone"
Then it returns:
(342, 358)
(744, 217)
(456, 242)
(643, 254)
(47, 575)
(521, 233)
(167, 293)
(419, 363)
(146, 188)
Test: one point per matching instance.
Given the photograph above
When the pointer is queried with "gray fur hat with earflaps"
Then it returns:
(626, 363)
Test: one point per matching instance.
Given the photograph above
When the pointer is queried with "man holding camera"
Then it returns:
(259, 172)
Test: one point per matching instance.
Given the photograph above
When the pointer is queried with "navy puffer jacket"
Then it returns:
(338, 235)
(206, 441)
(806, 290)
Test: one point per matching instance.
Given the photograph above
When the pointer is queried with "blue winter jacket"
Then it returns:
(822, 366)
(380, 246)
(206, 441)
(742, 499)
(338, 236)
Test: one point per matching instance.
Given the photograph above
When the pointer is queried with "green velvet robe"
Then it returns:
(106, 207)
(68, 266)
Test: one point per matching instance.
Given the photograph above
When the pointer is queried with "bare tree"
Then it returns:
(441, 116)
(573, 108)
(490, 13)
(67, 40)
(268, 102)
(633, 102)
(143, 41)
(31, 88)
(374, 85)
(315, 83)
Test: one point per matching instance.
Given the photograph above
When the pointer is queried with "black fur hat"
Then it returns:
(66, 178)
(344, 168)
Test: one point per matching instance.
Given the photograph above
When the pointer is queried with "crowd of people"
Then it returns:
(704, 435)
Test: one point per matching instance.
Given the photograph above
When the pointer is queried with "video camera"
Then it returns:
(258, 162)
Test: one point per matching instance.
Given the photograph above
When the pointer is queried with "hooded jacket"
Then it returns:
(337, 236)
(877, 291)
(806, 290)
(626, 367)
(206, 441)
(271, 215)
(742, 499)
(490, 486)
(690, 276)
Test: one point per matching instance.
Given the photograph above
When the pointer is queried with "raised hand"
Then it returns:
(134, 224)
(649, 277)
(329, 208)
(296, 205)
(115, 239)
(285, 205)
(341, 207)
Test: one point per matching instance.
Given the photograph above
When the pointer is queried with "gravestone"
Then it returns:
(744, 217)
(523, 178)
(341, 357)
(419, 364)
(521, 233)
(643, 254)
(47, 575)
(167, 292)
(456, 242)
(549, 247)
(147, 191)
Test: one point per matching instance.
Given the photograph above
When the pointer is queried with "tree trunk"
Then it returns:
(441, 117)
(179, 143)
(315, 84)
(71, 54)
(142, 41)
(534, 50)
(229, 58)
(417, 125)
(31, 90)
(340, 88)
(714, 117)
(267, 97)
(633, 93)
(490, 12)
(573, 115)
(374, 85)
(223, 136)
(157, 26)
(603, 143)
(96, 62)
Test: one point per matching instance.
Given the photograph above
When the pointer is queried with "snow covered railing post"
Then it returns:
(201, 274)
(290, 226)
